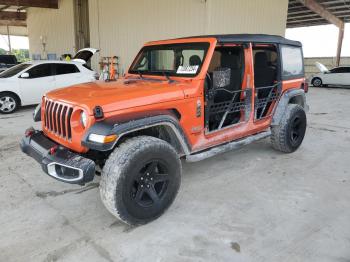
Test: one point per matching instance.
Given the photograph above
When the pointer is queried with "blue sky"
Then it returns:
(316, 40)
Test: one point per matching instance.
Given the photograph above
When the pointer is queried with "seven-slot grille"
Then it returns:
(57, 118)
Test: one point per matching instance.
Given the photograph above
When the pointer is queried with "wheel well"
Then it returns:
(162, 132)
(298, 100)
(12, 93)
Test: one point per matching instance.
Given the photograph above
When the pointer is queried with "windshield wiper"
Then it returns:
(140, 74)
(168, 77)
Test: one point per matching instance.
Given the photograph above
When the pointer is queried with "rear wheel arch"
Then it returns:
(298, 100)
(293, 96)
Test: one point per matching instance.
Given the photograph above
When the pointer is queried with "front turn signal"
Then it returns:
(102, 139)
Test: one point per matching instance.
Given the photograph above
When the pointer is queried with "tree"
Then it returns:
(22, 55)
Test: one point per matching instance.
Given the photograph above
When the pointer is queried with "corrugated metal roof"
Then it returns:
(299, 15)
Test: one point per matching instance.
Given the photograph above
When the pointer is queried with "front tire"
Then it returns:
(317, 82)
(140, 180)
(8, 103)
(289, 134)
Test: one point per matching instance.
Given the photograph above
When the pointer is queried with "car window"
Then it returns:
(62, 69)
(14, 70)
(42, 70)
(292, 61)
(340, 70)
(336, 70)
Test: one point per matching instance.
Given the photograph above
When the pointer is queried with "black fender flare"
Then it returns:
(123, 125)
(294, 96)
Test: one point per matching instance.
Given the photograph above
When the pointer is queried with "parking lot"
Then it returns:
(254, 204)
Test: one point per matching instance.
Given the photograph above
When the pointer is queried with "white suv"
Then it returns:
(26, 83)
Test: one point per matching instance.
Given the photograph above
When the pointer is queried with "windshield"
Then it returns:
(14, 70)
(184, 59)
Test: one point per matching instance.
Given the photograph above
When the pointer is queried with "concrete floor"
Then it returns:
(253, 204)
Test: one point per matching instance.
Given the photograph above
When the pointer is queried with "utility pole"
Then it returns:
(9, 38)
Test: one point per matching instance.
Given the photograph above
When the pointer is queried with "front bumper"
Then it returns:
(56, 160)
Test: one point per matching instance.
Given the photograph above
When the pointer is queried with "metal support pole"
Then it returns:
(340, 44)
(9, 38)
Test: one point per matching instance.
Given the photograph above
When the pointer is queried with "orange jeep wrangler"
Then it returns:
(188, 98)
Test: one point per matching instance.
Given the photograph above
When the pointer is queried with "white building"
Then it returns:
(120, 27)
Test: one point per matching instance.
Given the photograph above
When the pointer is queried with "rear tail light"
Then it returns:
(306, 87)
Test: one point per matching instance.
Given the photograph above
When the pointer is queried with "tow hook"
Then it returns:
(53, 150)
(29, 132)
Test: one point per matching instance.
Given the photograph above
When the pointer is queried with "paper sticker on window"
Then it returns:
(187, 69)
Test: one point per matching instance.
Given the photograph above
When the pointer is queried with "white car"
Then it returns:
(26, 83)
(336, 76)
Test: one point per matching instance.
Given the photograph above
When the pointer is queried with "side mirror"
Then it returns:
(25, 75)
(221, 77)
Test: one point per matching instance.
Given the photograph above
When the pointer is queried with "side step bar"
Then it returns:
(226, 147)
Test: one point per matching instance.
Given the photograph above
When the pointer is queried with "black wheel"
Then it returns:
(289, 134)
(317, 82)
(8, 103)
(140, 179)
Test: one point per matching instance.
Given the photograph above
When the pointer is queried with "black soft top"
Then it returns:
(255, 38)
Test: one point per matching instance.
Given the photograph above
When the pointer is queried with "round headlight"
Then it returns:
(83, 119)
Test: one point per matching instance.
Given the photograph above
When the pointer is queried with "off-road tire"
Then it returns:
(121, 174)
(283, 136)
(15, 103)
(317, 82)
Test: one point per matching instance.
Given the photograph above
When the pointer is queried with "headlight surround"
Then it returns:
(37, 113)
(83, 119)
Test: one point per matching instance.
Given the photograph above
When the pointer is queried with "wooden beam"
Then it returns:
(323, 12)
(4, 7)
(13, 23)
(340, 44)
(32, 3)
(5, 15)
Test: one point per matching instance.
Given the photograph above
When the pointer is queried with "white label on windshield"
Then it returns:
(187, 69)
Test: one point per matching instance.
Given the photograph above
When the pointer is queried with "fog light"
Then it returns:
(102, 139)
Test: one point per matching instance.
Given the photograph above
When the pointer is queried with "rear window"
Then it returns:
(340, 70)
(292, 61)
